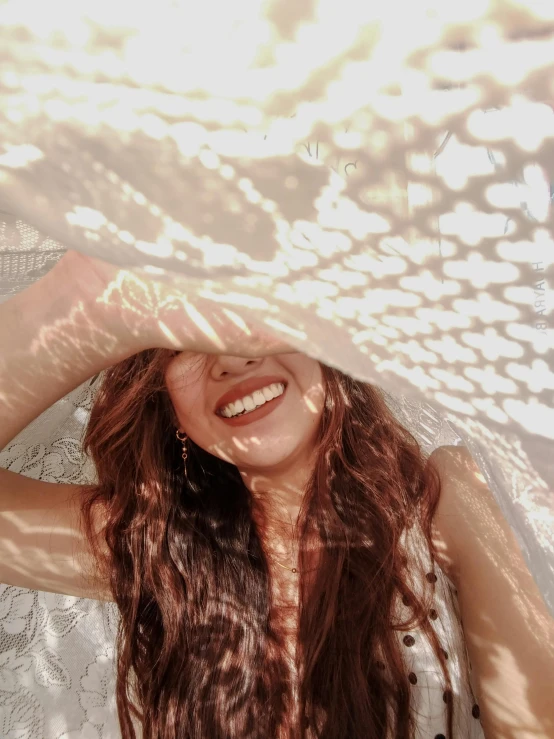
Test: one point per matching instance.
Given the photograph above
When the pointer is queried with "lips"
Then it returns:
(247, 387)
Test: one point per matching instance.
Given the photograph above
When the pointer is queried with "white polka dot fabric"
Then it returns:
(424, 671)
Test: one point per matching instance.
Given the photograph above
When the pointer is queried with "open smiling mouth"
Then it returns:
(248, 416)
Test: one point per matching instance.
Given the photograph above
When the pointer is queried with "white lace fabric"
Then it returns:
(380, 200)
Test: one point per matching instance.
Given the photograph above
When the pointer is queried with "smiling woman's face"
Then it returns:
(279, 434)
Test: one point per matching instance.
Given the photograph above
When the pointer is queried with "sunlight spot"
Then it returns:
(152, 269)
(455, 404)
(162, 248)
(417, 376)
(489, 381)
(538, 377)
(209, 159)
(378, 300)
(452, 381)
(153, 126)
(287, 330)
(220, 255)
(459, 162)
(389, 265)
(528, 333)
(189, 137)
(527, 251)
(503, 195)
(218, 451)
(238, 443)
(443, 319)
(348, 215)
(309, 403)
(81, 415)
(237, 320)
(389, 331)
(471, 227)
(451, 351)
(415, 352)
(305, 292)
(481, 272)
(126, 237)
(486, 309)
(519, 294)
(427, 284)
(344, 279)
(203, 325)
(534, 416)
(529, 123)
(492, 411)
(492, 345)
(408, 325)
(20, 156)
(237, 298)
(86, 217)
(167, 332)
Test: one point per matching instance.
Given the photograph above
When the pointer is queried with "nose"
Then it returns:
(226, 364)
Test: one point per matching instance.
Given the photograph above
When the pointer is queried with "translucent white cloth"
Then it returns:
(376, 193)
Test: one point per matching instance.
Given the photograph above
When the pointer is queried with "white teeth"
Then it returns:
(259, 397)
(249, 402)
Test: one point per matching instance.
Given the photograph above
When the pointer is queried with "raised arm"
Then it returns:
(83, 316)
(53, 337)
(86, 315)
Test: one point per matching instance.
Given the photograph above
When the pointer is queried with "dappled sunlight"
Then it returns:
(501, 597)
(318, 192)
(374, 193)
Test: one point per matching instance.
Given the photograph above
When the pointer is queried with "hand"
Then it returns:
(152, 313)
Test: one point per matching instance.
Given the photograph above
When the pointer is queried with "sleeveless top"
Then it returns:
(428, 698)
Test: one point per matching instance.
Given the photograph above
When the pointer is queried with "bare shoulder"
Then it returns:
(459, 476)
(508, 629)
(456, 463)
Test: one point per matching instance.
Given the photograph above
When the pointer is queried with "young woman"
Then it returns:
(285, 561)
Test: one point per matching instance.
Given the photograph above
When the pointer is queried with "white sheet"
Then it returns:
(299, 161)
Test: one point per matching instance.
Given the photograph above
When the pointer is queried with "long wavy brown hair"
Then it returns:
(199, 655)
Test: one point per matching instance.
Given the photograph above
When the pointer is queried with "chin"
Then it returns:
(260, 462)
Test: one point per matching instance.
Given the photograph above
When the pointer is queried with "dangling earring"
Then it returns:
(184, 454)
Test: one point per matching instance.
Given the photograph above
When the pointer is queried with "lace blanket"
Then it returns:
(377, 194)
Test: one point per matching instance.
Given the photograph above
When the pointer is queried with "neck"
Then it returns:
(276, 507)
(278, 495)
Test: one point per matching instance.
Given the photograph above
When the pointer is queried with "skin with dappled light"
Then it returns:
(255, 579)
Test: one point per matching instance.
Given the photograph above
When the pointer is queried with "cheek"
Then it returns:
(314, 389)
(184, 386)
(187, 406)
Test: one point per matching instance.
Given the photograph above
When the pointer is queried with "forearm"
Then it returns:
(51, 340)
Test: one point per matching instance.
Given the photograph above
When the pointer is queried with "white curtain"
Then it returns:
(373, 184)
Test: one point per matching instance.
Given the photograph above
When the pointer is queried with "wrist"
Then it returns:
(60, 313)
(94, 306)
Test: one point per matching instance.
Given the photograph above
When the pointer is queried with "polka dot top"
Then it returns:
(429, 697)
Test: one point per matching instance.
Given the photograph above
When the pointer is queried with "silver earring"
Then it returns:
(184, 454)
